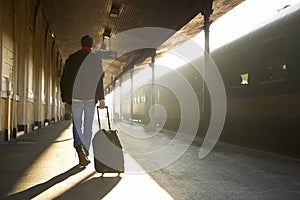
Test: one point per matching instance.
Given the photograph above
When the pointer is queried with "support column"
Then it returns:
(112, 99)
(20, 76)
(54, 81)
(205, 94)
(131, 95)
(38, 66)
(2, 131)
(59, 102)
(152, 85)
(150, 122)
(47, 77)
(121, 99)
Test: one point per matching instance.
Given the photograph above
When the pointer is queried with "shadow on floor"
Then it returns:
(38, 189)
(93, 189)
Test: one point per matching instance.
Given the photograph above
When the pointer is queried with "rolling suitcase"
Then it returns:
(108, 150)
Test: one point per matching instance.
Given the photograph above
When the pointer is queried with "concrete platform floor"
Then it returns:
(43, 165)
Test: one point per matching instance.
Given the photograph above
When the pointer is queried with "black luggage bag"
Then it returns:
(108, 150)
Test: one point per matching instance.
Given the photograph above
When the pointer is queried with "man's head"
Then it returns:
(87, 41)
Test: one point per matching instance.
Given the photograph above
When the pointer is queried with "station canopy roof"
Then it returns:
(69, 20)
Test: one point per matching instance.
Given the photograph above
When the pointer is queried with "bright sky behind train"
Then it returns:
(237, 22)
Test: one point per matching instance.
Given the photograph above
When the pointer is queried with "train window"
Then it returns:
(273, 60)
(244, 78)
(238, 69)
(139, 99)
(143, 98)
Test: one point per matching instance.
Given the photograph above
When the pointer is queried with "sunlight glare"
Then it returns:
(239, 21)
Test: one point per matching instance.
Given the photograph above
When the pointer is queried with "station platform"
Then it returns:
(43, 165)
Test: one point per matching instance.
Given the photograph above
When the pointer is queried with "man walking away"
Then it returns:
(82, 87)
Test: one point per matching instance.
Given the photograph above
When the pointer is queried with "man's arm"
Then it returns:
(65, 83)
(100, 93)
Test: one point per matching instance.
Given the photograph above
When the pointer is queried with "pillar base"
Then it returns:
(23, 127)
(14, 133)
(3, 135)
(31, 128)
(47, 122)
(39, 124)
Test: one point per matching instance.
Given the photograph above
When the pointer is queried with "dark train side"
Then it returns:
(261, 76)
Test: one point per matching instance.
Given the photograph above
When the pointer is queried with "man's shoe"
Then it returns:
(83, 159)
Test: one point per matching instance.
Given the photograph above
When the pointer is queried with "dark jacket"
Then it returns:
(82, 77)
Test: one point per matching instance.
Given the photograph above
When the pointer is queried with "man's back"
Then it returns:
(88, 77)
(71, 68)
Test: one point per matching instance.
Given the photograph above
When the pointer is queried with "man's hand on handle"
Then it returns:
(101, 104)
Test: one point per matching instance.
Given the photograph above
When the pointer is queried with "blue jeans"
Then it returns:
(83, 135)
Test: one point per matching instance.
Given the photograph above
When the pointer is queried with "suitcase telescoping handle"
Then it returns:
(108, 120)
